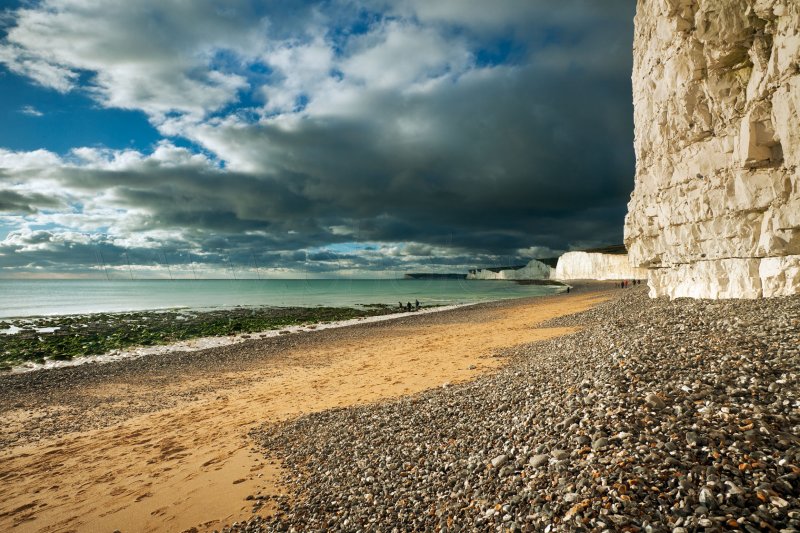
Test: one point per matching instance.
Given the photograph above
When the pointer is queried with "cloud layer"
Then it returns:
(344, 137)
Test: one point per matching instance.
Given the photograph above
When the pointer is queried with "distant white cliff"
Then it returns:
(584, 265)
(533, 270)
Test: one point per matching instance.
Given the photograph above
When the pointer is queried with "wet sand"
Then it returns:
(160, 443)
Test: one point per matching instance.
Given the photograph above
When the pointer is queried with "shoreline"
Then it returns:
(202, 343)
(160, 443)
(55, 341)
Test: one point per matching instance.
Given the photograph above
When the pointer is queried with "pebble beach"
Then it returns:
(657, 416)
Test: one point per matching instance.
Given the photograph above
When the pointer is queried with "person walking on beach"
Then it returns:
(408, 306)
(401, 305)
(417, 302)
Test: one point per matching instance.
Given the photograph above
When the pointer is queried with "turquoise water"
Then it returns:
(62, 297)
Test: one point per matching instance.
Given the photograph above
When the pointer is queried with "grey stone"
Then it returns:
(539, 460)
(654, 401)
(499, 461)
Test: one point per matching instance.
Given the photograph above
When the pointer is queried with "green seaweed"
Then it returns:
(82, 335)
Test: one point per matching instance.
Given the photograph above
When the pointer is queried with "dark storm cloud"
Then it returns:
(469, 133)
(496, 160)
(14, 202)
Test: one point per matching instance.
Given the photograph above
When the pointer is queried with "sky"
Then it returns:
(356, 138)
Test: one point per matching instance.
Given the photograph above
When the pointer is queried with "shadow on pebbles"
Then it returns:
(659, 416)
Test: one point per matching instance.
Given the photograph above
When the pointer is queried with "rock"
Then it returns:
(654, 401)
(734, 489)
(538, 460)
(715, 211)
(707, 498)
(700, 510)
(778, 502)
(570, 497)
(499, 461)
(599, 444)
(560, 455)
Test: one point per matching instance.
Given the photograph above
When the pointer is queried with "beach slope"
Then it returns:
(161, 443)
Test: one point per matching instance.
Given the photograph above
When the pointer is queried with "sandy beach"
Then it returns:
(160, 443)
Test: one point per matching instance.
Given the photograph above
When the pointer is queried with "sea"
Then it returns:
(29, 298)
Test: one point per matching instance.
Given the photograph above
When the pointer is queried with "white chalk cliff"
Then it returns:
(716, 208)
(533, 270)
(583, 265)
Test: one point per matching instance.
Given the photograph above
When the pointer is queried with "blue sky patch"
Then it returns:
(34, 117)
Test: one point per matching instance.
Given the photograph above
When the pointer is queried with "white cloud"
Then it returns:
(403, 54)
(31, 111)
(150, 55)
(302, 69)
(51, 180)
(165, 155)
(24, 63)
(36, 159)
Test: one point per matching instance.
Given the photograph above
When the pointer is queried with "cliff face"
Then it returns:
(582, 265)
(533, 270)
(716, 208)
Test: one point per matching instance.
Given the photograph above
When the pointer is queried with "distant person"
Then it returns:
(567, 289)
(408, 306)
(417, 303)
(400, 304)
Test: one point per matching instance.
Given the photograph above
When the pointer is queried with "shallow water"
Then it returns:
(20, 298)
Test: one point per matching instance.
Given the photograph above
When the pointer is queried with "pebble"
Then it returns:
(654, 401)
(539, 460)
(499, 461)
(560, 455)
(599, 444)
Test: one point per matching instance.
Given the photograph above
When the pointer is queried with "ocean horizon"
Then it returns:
(53, 297)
